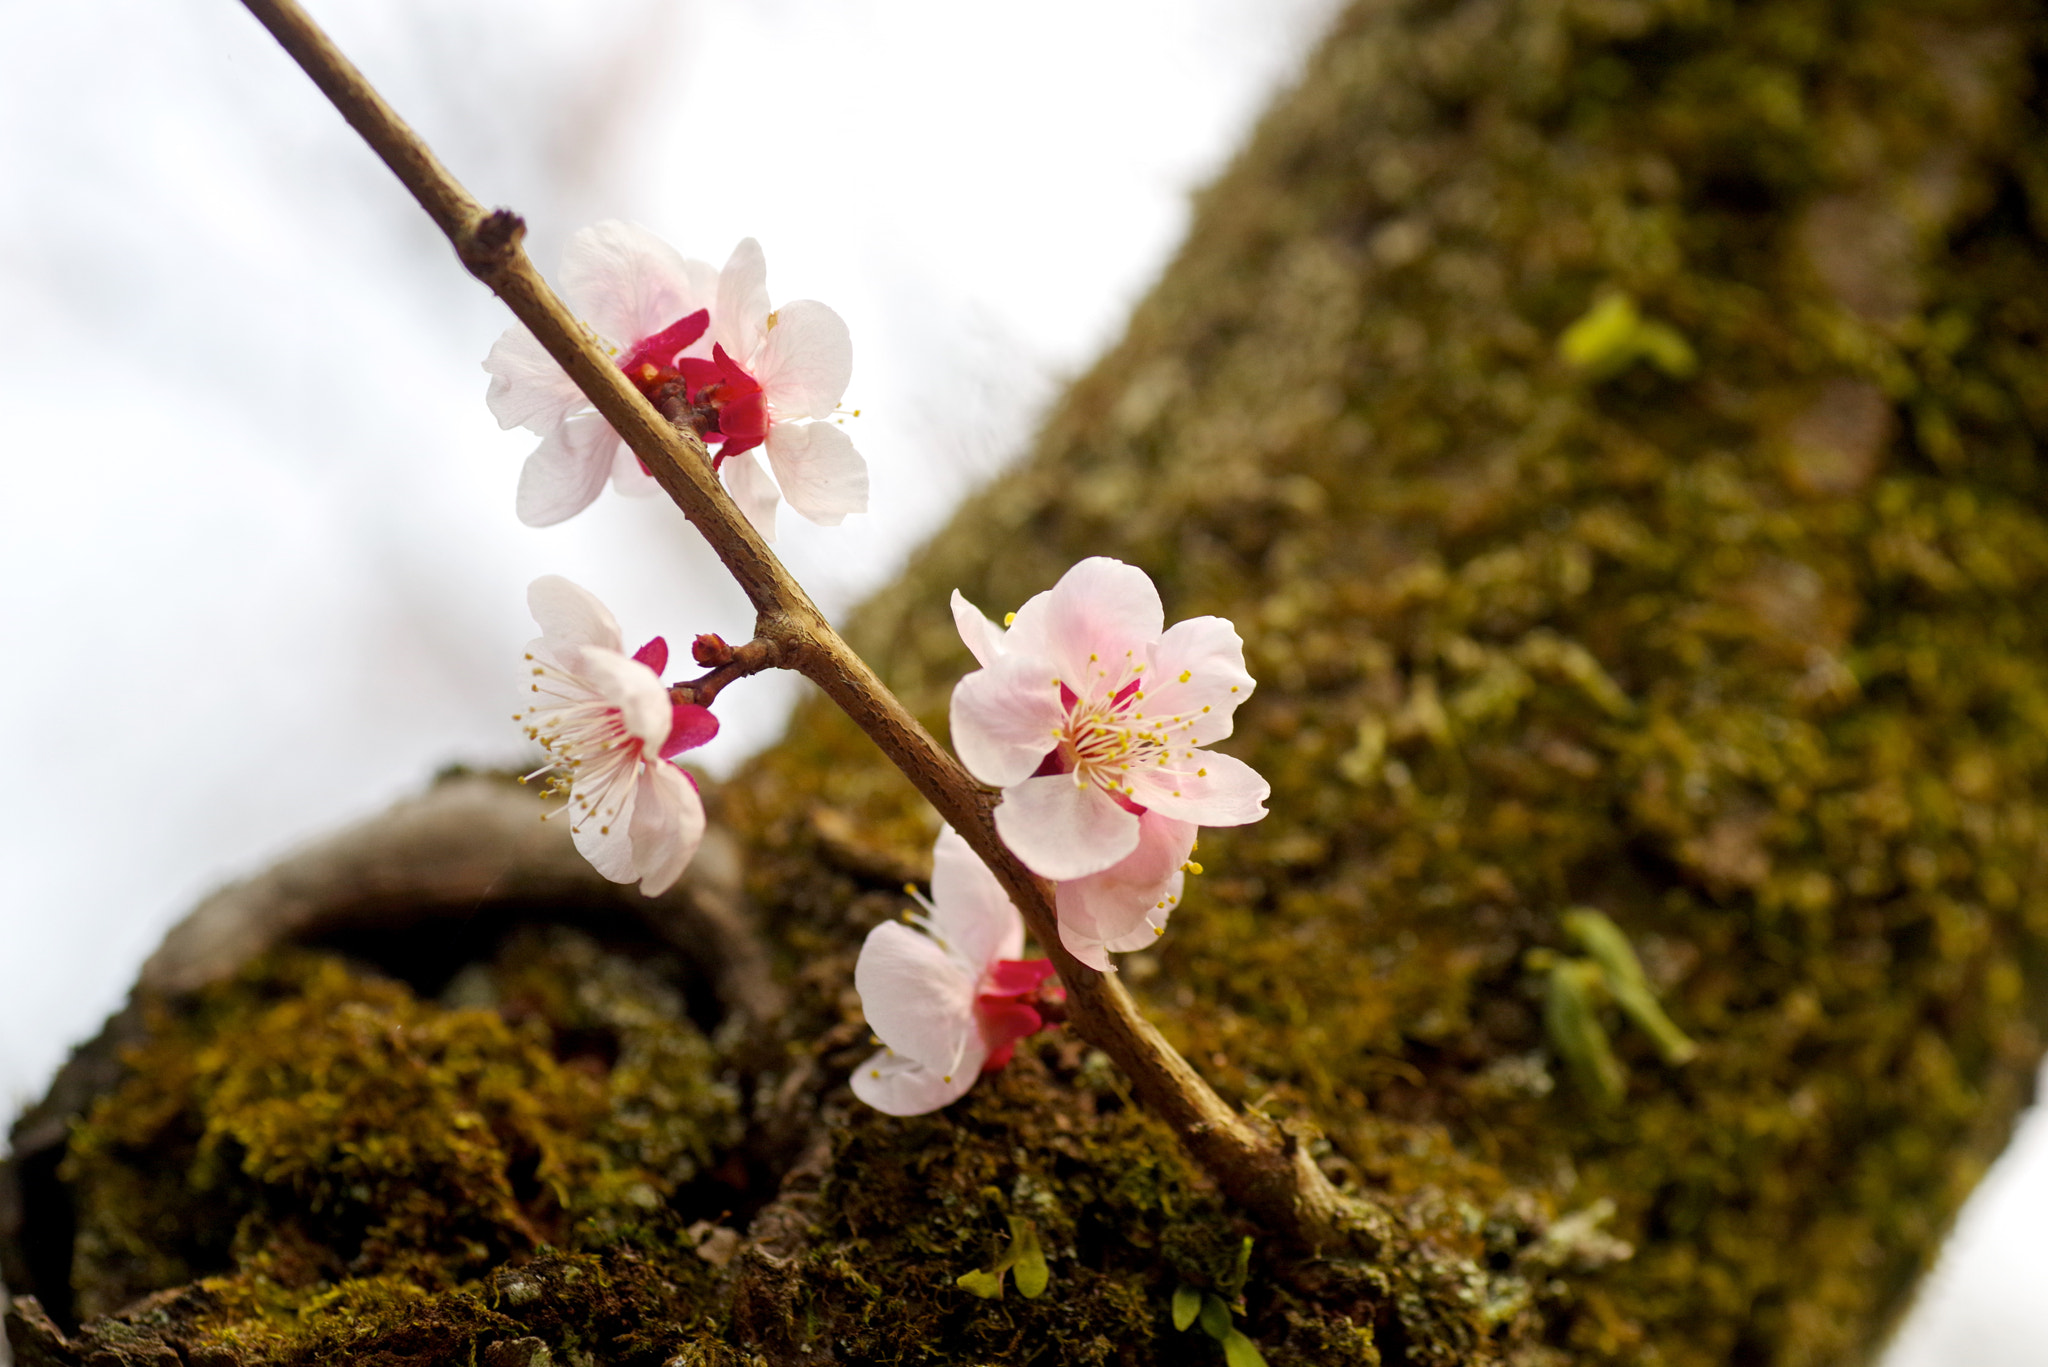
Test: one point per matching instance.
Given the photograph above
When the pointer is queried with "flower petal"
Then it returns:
(667, 826)
(895, 1085)
(605, 837)
(917, 1000)
(1126, 906)
(984, 638)
(821, 474)
(570, 615)
(739, 318)
(1064, 829)
(1196, 680)
(626, 282)
(632, 688)
(751, 488)
(1100, 608)
(806, 360)
(1006, 718)
(1213, 790)
(566, 472)
(629, 477)
(970, 910)
(527, 388)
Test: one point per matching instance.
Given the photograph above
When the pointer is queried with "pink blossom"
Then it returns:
(1091, 717)
(611, 734)
(650, 308)
(950, 999)
(769, 375)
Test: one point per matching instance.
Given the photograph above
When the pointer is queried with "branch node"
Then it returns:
(488, 245)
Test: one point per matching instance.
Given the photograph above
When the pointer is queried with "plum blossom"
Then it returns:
(769, 376)
(1092, 718)
(649, 307)
(611, 734)
(950, 999)
(704, 347)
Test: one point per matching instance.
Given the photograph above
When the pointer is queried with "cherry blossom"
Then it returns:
(611, 734)
(650, 308)
(1090, 716)
(950, 999)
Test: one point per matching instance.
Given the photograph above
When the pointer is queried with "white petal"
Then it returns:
(605, 838)
(1005, 719)
(527, 388)
(569, 614)
(1064, 829)
(984, 638)
(667, 827)
(566, 472)
(739, 319)
(821, 474)
(1211, 790)
(895, 1085)
(970, 910)
(1126, 905)
(635, 690)
(806, 360)
(626, 282)
(1210, 653)
(917, 1000)
(1102, 608)
(751, 488)
(630, 477)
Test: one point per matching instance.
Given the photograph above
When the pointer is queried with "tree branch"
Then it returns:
(1268, 1173)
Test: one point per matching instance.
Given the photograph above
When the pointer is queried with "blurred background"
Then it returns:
(262, 575)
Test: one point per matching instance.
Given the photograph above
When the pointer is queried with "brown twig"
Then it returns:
(728, 664)
(1267, 1172)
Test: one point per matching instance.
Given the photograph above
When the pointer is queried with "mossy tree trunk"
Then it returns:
(1725, 617)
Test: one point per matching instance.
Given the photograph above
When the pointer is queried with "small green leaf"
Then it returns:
(1240, 1271)
(1610, 948)
(1027, 1259)
(1571, 1017)
(1216, 1319)
(987, 1285)
(1613, 335)
(1239, 1351)
(1187, 1303)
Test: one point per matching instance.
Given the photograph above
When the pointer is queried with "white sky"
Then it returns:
(261, 570)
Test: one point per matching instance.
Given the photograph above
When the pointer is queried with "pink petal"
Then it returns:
(821, 474)
(1063, 829)
(1003, 1023)
(527, 388)
(753, 491)
(970, 910)
(1197, 709)
(1209, 790)
(1126, 905)
(566, 472)
(806, 361)
(654, 655)
(917, 1000)
(984, 638)
(743, 422)
(1100, 608)
(689, 727)
(629, 477)
(569, 614)
(632, 688)
(895, 1085)
(739, 318)
(1005, 718)
(605, 838)
(667, 827)
(626, 282)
